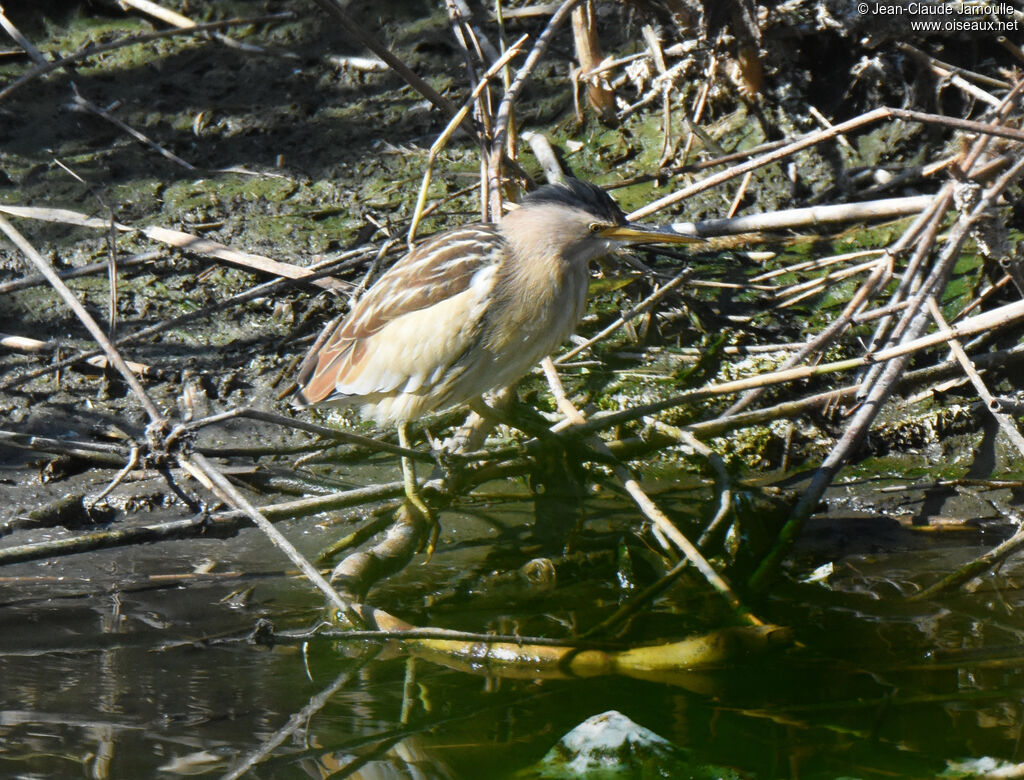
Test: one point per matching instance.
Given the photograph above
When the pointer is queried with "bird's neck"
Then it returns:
(537, 289)
(536, 268)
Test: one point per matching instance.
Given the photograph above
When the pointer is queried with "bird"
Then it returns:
(471, 309)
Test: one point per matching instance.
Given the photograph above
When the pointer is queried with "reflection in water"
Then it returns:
(114, 674)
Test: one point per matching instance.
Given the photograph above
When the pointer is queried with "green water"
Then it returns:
(113, 671)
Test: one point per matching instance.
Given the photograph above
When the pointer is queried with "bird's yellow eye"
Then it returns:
(596, 227)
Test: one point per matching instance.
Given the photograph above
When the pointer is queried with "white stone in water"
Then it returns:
(609, 744)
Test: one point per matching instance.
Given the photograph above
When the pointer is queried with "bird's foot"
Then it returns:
(413, 499)
(415, 504)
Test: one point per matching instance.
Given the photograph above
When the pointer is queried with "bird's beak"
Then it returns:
(633, 233)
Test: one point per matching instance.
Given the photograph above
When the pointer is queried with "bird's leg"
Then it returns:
(472, 434)
(412, 493)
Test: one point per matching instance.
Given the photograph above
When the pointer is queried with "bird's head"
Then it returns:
(579, 221)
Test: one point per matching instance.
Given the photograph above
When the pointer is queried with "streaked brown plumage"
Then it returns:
(471, 309)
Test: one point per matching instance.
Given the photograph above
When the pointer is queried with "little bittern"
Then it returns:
(471, 309)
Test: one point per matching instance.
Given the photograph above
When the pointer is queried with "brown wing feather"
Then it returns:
(441, 267)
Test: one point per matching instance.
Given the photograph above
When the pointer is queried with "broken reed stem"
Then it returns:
(662, 524)
(258, 291)
(503, 117)
(165, 15)
(588, 54)
(815, 138)
(449, 131)
(924, 232)
(46, 270)
(886, 383)
(1006, 423)
(204, 471)
(810, 216)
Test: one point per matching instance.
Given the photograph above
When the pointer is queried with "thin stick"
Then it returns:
(453, 124)
(87, 450)
(815, 138)
(980, 564)
(133, 460)
(741, 191)
(289, 422)
(112, 264)
(85, 270)
(651, 510)
(640, 308)
(885, 384)
(43, 267)
(94, 49)
(1006, 423)
(504, 115)
(368, 39)
(827, 279)
(198, 466)
(79, 103)
(816, 264)
(37, 56)
(724, 481)
(939, 65)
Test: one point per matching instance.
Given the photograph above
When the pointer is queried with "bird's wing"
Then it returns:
(450, 270)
